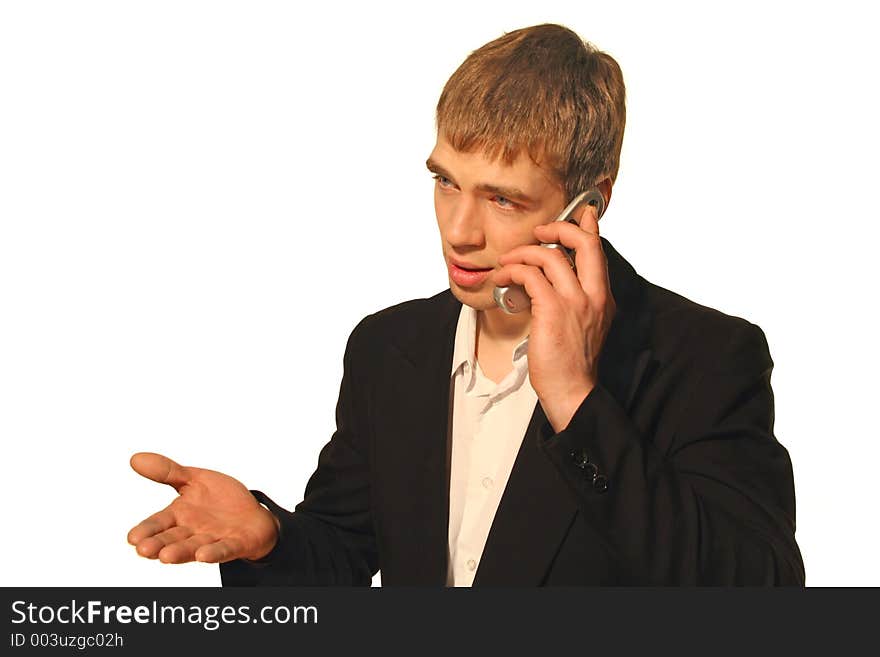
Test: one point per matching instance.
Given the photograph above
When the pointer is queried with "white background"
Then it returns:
(199, 200)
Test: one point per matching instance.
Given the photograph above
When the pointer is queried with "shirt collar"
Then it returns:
(464, 351)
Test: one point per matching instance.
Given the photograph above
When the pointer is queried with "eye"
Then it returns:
(504, 202)
(443, 181)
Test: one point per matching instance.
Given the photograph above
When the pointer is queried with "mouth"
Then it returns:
(465, 274)
(466, 266)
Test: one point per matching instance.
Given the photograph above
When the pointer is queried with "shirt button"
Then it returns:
(471, 564)
(487, 482)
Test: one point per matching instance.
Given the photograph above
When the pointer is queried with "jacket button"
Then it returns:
(580, 457)
(591, 472)
(600, 483)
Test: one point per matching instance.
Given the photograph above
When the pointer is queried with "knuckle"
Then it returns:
(559, 256)
(592, 238)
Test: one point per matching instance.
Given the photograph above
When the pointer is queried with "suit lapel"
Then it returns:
(418, 379)
(626, 355)
(526, 531)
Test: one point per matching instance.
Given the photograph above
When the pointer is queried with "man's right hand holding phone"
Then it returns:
(214, 518)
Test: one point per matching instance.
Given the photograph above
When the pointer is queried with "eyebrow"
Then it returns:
(511, 193)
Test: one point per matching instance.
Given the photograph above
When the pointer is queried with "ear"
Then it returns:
(605, 188)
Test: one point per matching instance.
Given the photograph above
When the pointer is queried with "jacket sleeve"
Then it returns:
(328, 539)
(712, 504)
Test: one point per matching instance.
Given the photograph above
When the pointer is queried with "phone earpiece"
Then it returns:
(594, 197)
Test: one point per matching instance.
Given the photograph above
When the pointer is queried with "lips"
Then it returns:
(467, 274)
(466, 266)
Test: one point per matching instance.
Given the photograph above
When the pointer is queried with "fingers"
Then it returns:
(158, 522)
(590, 261)
(152, 546)
(161, 469)
(530, 277)
(588, 218)
(184, 551)
(176, 545)
(220, 551)
(553, 263)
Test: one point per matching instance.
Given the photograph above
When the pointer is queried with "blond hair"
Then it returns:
(544, 90)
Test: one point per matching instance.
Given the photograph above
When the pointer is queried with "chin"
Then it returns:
(479, 299)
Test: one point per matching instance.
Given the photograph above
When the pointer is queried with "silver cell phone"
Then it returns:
(513, 299)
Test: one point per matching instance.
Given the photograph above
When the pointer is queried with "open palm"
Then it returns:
(213, 519)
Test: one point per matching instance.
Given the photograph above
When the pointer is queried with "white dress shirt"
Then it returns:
(489, 422)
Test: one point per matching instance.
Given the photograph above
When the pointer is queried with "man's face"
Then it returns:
(484, 209)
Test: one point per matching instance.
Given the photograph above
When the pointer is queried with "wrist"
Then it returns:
(560, 410)
(267, 548)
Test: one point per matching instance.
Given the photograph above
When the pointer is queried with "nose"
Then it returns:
(465, 226)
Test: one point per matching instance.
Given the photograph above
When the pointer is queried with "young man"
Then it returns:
(614, 433)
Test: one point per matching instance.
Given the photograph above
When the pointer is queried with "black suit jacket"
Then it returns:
(668, 473)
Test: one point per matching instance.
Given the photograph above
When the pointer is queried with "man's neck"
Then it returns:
(498, 327)
(497, 335)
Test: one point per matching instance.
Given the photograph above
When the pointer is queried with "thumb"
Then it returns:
(161, 469)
